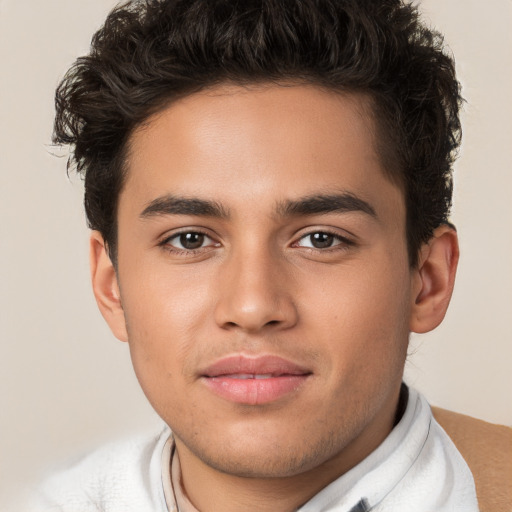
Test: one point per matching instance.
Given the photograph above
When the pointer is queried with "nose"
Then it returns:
(254, 294)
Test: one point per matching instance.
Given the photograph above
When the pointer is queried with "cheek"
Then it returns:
(363, 314)
(165, 317)
(163, 302)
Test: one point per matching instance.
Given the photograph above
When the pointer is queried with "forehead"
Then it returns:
(256, 143)
(291, 110)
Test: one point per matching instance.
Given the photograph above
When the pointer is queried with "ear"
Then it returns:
(434, 280)
(105, 286)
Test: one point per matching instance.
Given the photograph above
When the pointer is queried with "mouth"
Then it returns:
(254, 380)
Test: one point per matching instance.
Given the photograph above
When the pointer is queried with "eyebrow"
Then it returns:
(310, 205)
(330, 203)
(173, 205)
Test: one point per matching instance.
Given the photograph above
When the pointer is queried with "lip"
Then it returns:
(254, 380)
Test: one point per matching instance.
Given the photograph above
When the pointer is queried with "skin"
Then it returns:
(257, 286)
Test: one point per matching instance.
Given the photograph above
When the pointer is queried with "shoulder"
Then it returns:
(125, 475)
(487, 449)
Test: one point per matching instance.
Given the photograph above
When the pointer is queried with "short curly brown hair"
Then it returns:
(151, 52)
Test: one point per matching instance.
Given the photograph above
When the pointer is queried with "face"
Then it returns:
(263, 277)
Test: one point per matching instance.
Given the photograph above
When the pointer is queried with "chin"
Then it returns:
(277, 455)
(270, 463)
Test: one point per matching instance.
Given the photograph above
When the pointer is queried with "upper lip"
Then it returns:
(253, 365)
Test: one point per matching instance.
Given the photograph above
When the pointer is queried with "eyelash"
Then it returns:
(343, 242)
(165, 243)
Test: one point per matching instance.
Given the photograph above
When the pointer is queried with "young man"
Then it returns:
(268, 183)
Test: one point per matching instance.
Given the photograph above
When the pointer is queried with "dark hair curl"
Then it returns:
(151, 52)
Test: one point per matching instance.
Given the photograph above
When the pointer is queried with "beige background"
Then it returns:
(67, 384)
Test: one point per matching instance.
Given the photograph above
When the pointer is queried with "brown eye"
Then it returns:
(321, 240)
(189, 241)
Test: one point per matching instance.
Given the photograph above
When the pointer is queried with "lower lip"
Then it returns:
(254, 391)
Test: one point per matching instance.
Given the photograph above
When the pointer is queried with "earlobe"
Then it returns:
(434, 280)
(105, 286)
